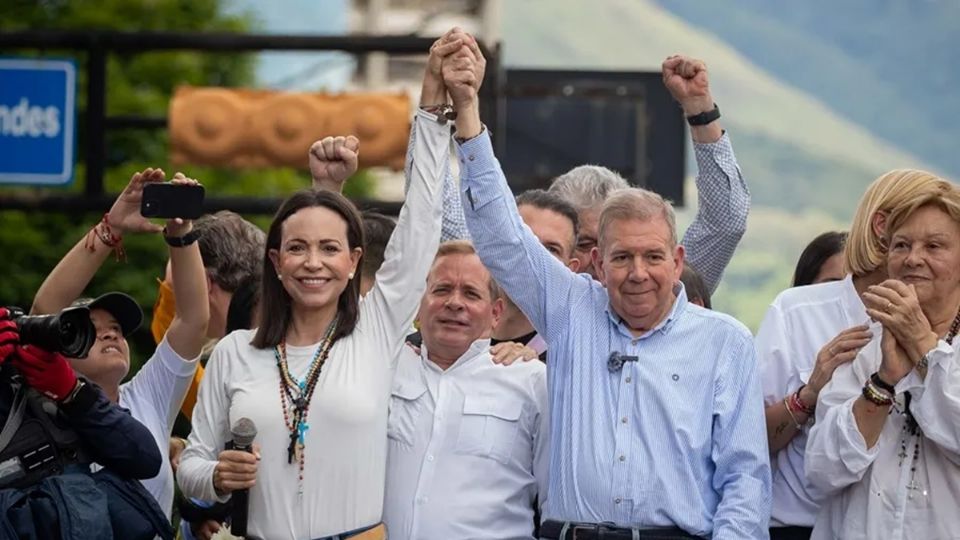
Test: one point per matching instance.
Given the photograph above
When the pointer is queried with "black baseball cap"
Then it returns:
(123, 308)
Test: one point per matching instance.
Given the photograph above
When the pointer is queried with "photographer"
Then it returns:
(153, 396)
(56, 498)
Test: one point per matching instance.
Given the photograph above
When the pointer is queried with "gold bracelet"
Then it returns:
(786, 406)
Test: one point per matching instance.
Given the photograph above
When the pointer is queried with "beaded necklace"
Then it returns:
(911, 429)
(295, 396)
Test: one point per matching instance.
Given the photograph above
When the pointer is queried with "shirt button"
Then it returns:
(430, 457)
(421, 500)
(617, 500)
(627, 380)
(623, 420)
(471, 157)
(623, 458)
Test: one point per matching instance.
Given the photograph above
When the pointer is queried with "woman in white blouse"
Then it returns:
(806, 333)
(315, 378)
(885, 448)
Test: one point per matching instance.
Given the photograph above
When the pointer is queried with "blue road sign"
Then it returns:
(37, 111)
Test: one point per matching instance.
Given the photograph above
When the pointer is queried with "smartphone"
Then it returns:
(166, 200)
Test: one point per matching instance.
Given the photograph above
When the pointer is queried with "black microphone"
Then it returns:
(615, 363)
(243, 432)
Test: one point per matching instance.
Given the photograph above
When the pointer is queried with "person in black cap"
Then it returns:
(155, 393)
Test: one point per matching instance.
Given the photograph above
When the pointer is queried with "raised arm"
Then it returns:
(536, 281)
(72, 274)
(741, 457)
(433, 98)
(722, 195)
(188, 330)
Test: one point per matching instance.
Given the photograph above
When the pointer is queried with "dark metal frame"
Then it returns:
(99, 44)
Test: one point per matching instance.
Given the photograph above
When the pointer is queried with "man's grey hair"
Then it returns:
(231, 247)
(637, 203)
(587, 186)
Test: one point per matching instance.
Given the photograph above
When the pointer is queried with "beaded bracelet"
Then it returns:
(876, 395)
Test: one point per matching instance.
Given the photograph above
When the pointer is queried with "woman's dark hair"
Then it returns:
(244, 300)
(274, 300)
(815, 254)
(695, 286)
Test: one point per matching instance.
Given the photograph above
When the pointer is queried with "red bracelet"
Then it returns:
(798, 405)
(104, 232)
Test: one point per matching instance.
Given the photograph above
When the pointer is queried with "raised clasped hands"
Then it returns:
(907, 335)
(463, 69)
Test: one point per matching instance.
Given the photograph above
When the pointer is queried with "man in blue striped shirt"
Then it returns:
(657, 426)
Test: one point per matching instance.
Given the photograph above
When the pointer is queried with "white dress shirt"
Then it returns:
(799, 322)
(467, 447)
(872, 493)
(345, 450)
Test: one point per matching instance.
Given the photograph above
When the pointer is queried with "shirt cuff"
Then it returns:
(913, 382)
(480, 174)
(719, 154)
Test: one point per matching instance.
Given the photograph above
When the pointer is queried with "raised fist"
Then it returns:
(333, 160)
(687, 81)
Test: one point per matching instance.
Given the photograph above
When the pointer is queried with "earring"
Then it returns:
(350, 275)
(280, 277)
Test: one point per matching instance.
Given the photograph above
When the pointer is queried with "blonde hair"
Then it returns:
(865, 251)
(637, 203)
(940, 194)
(464, 247)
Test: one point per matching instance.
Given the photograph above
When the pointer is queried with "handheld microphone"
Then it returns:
(243, 433)
(616, 361)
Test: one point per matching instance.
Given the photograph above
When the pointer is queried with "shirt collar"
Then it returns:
(664, 326)
(477, 349)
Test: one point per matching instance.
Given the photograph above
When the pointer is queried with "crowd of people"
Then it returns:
(493, 365)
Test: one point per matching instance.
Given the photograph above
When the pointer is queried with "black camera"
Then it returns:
(70, 332)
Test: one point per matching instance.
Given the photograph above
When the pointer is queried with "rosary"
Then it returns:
(295, 396)
(912, 429)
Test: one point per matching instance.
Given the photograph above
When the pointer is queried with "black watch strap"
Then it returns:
(181, 241)
(704, 118)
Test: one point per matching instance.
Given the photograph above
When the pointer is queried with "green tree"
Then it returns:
(139, 84)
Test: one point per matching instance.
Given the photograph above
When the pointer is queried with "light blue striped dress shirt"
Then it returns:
(675, 439)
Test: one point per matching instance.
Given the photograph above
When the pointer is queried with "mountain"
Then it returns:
(887, 65)
(806, 164)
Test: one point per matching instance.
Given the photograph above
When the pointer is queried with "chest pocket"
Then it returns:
(406, 405)
(489, 427)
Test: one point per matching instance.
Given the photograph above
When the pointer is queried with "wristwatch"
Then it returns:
(704, 118)
(181, 241)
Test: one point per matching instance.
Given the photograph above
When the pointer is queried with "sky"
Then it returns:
(300, 70)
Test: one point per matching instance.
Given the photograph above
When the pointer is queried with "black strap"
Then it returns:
(14, 419)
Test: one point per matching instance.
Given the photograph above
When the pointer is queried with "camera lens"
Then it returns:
(70, 332)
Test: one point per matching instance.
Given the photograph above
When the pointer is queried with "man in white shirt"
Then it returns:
(467, 439)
